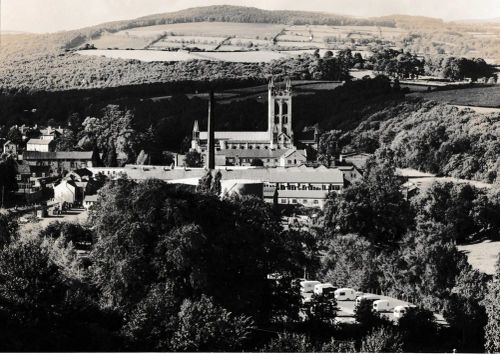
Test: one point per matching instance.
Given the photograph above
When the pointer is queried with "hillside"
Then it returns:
(236, 41)
(434, 137)
(227, 13)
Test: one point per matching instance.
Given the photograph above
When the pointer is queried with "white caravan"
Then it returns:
(345, 294)
(382, 306)
(307, 286)
(325, 288)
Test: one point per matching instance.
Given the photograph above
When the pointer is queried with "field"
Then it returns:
(202, 35)
(172, 56)
(111, 40)
(210, 38)
(477, 96)
(212, 29)
(482, 256)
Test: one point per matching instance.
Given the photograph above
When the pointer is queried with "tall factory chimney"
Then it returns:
(211, 135)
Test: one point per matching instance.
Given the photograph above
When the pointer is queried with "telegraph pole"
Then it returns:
(211, 134)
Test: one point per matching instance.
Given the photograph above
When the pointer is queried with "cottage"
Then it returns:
(293, 158)
(351, 173)
(358, 159)
(67, 192)
(10, 148)
(89, 201)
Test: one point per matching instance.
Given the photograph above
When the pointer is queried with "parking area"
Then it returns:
(345, 314)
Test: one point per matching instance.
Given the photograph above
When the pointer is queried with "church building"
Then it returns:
(274, 147)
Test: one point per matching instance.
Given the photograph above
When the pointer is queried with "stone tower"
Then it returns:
(280, 115)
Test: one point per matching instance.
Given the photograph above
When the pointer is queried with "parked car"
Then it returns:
(382, 306)
(345, 294)
(324, 289)
(307, 286)
(370, 297)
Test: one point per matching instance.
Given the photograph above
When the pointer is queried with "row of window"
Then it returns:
(309, 187)
(231, 159)
(303, 201)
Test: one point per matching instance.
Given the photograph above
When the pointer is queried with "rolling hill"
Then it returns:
(49, 62)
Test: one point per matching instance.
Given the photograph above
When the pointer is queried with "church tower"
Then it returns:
(280, 115)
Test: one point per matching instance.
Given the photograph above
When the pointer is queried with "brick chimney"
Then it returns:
(211, 135)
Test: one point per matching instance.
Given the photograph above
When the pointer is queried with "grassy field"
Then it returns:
(111, 40)
(228, 36)
(143, 55)
(171, 56)
(477, 96)
(205, 35)
(213, 29)
(482, 256)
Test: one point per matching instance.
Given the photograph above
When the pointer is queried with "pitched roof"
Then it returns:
(40, 141)
(252, 153)
(59, 155)
(90, 198)
(292, 151)
(301, 174)
(238, 136)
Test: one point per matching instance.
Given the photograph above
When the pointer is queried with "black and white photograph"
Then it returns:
(264, 176)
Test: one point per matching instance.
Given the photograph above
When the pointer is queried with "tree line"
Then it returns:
(404, 65)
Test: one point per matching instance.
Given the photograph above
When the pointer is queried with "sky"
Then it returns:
(57, 15)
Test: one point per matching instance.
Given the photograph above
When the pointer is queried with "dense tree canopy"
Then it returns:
(374, 207)
(435, 138)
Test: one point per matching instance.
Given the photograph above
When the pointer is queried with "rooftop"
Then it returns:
(301, 174)
(40, 141)
(255, 153)
(239, 136)
(59, 155)
(91, 198)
